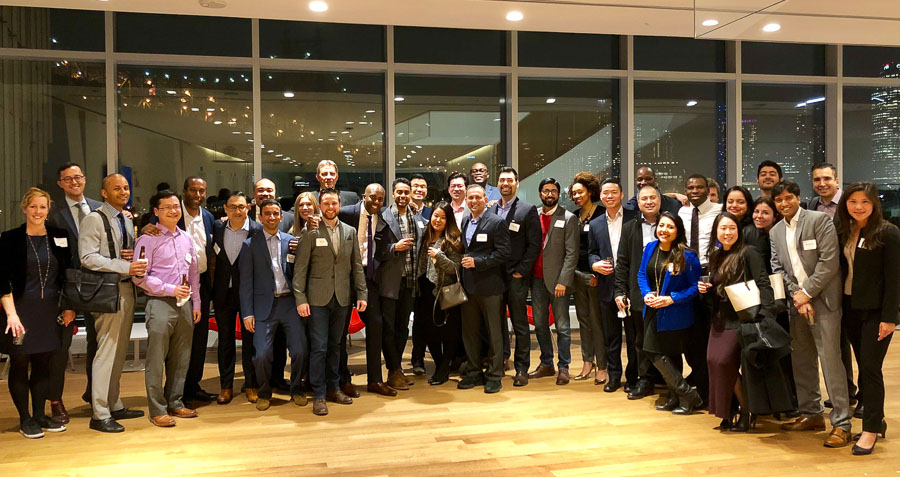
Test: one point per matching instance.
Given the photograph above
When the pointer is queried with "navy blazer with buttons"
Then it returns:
(61, 218)
(257, 287)
(599, 247)
(225, 271)
(486, 279)
(682, 288)
(526, 242)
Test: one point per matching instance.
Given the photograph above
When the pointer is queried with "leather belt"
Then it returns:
(282, 295)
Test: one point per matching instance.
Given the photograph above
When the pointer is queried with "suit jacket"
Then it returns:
(524, 236)
(666, 204)
(93, 245)
(61, 218)
(631, 251)
(876, 276)
(287, 219)
(208, 225)
(560, 250)
(320, 274)
(599, 246)
(225, 271)
(815, 203)
(426, 213)
(817, 245)
(14, 249)
(257, 284)
(389, 274)
(348, 197)
(490, 249)
(682, 288)
(350, 214)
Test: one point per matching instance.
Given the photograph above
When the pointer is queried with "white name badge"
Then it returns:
(216, 248)
(62, 242)
(421, 225)
(862, 243)
(187, 257)
(587, 227)
(290, 258)
(671, 268)
(481, 238)
(514, 226)
(560, 224)
(320, 242)
(809, 244)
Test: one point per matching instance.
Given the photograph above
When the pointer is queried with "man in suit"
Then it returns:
(264, 189)
(266, 267)
(636, 234)
(67, 215)
(327, 175)
(485, 251)
(768, 174)
(228, 237)
(479, 174)
(525, 246)
(805, 253)
(646, 177)
(365, 219)
(113, 329)
(553, 274)
(604, 239)
(329, 265)
(456, 188)
(419, 187)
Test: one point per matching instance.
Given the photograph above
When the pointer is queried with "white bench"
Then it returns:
(138, 334)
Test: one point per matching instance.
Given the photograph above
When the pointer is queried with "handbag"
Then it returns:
(89, 290)
(448, 297)
(744, 297)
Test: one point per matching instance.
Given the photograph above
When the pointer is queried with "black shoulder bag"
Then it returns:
(89, 290)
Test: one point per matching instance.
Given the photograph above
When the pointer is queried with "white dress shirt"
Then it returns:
(364, 217)
(790, 236)
(195, 228)
(708, 212)
(273, 242)
(614, 224)
(459, 213)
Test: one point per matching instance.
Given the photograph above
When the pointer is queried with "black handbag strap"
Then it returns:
(437, 299)
(109, 235)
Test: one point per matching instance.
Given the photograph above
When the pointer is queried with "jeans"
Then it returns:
(541, 302)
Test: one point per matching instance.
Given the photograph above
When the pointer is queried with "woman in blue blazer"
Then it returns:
(668, 278)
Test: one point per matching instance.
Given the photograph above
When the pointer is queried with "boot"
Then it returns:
(670, 404)
(688, 399)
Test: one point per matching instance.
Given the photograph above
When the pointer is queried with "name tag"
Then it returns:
(62, 242)
(809, 244)
(560, 224)
(671, 268)
(862, 243)
(587, 227)
(481, 238)
(216, 248)
(187, 258)
(290, 258)
(421, 225)
(514, 226)
(320, 242)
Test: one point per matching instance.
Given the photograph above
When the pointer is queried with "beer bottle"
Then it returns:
(142, 258)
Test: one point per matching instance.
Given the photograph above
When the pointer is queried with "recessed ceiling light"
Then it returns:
(399, 98)
(515, 16)
(691, 103)
(771, 28)
(551, 100)
(710, 22)
(370, 111)
(288, 94)
(318, 6)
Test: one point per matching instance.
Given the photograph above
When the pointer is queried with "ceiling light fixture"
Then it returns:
(399, 99)
(692, 103)
(710, 23)
(288, 94)
(771, 28)
(318, 6)
(551, 100)
(515, 16)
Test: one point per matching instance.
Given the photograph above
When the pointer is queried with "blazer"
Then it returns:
(560, 249)
(631, 253)
(349, 214)
(257, 284)
(682, 288)
(666, 204)
(93, 246)
(524, 236)
(225, 271)
(61, 218)
(599, 246)
(426, 213)
(490, 249)
(287, 219)
(754, 269)
(391, 263)
(348, 197)
(584, 265)
(319, 274)
(876, 275)
(13, 253)
(815, 203)
(819, 258)
(759, 239)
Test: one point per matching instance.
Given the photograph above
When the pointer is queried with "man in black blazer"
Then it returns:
(228, 237)
(486, 248)
(419, 187)
(66, 215)
(524, 228)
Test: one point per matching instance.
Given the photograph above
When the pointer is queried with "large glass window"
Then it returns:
(320, 41)
(51, 29)
(51, 112)
(785, 124)
(449, 46)
(446, 124)
(782, 58)
(872, 61)
(568, 50)
(679, 130)
(311, 116)
(565, 127)
(182, 34)
(181, 122)
(678, 54)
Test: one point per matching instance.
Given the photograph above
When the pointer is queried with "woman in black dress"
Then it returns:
(738, 201)
(35, 259)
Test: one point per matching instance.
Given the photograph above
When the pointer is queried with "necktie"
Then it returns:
(370, 265)
(79, 215)
(695, 230)
(124, 233)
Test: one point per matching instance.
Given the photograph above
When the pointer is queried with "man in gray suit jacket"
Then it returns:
(113, 329)
(328, 264)
(554, 275)
(805, 252)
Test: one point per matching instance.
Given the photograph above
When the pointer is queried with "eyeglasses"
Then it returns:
(70, 179)
(167, 208)
(549, 192)
(232, 208)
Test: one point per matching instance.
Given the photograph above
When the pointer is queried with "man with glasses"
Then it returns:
(456, 188)
(479, 175)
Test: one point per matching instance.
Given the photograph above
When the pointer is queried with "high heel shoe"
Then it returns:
(725, 424)
(745, 422)
(587, 374)
(857, 450)
(882, 432)
(598, 381)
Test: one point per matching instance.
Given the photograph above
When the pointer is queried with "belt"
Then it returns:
(126, 280)
(282, 295)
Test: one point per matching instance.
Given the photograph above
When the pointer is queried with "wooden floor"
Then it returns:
(542, 429)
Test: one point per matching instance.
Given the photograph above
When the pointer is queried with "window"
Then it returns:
(679, 130)
(182, 34)
(568, 50)
(449, 46)
(320, 41)
(872, 61)
(51, 29)
(785, 124)
(678, 54)
(782, 58)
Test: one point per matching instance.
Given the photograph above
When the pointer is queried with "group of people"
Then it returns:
(669, 271)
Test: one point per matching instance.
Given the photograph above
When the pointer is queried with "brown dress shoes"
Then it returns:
(183, 413)
(805, 423)
(562, 378)
(252, 396)
(225, 396)
(542, 371)
(380, 388)
(163, 421)
(837, 438)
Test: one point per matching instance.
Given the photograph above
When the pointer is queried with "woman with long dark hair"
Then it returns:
(668, 278)
(764, 216)
(870, 266)
(439, 259)
(738, 201)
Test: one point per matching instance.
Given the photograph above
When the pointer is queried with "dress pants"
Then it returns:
(199, 340)
(640, 366)
(396, 325)
(113, 336)
(862, 327)
(477, 312)
(284, 316)
(541, 302)
(59, 361)
(696, 343)
(847, 352)
(590, 328)
(515, 300)
(419, 339)
(169, 336)
(226, 353)
(374, 337)
(279, 360)
(811, 344)
(326, 326)
(442, 340)
(90, 351)
(612, 333)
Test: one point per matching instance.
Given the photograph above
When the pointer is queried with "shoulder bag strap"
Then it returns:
(109, 235)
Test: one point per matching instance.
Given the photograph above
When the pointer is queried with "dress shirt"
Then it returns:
(233, 239)
(614, 224)
(83, 205)
(170, 255)
(831, 207)
(648, 231)
(335, 235)
(708, 212)
(116, 229)
(459, 213)
(364, 217)
(503, 210)
(274, 244)
(470, 229)
(195, 228)
(791, 237)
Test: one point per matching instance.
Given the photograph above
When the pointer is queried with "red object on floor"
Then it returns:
(531, 316)
(356, 323)
(213, 326)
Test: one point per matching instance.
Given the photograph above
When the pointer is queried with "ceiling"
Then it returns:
(869, 22)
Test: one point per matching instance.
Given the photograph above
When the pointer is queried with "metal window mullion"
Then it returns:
(512, 103)
(834, 111)
(330, 66)
(34, 54)
(626, 119)
(390, 123)
(734, 104)
(112, 103)
(257, 102)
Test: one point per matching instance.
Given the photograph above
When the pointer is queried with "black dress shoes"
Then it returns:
(106, 425)
(201, 396)
(521, 379)
(858, 412)
(640, 390)
(350, 390)
(127, 414)
(612, 385)
(338, 397)
(380, 388)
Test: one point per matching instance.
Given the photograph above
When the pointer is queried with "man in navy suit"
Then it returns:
(604, 236)
(267, 301)
(68, 217)
(419, 190)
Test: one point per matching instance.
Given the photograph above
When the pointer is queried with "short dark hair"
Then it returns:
(187, 182)
(786, 185)
(768, 163)
(548, 180)
(238, 193)
(508, 170)
(823, 165)
(418, 176)
(457, 175)
(697, 176)
(400, 180)
(161, 195)
(269, 202)
(65, 166)
(329, 191)
(612, 180)
(161, 186)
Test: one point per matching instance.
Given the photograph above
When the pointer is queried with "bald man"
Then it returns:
(265, 189)
(646, 177)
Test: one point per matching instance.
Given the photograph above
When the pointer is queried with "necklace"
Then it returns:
(656, 271)
(590, 212)
(42, 276)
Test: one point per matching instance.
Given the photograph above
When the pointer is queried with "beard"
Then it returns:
(549, 201)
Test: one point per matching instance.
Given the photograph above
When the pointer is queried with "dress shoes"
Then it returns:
(202, 396)
(59, 413)
(521, 379)
(338, 397)
(628, 387)
(419, 369)
(125, 413)
(299, 399)
(612, 386)
(319, 407)
(350, 390)
(805, 423)
(858, 412)
(587, 374)
(838, 438)
(225, 396)
(262, 404)
(251, 393)
(857, 450)
(562, 377)
(183, 413)
(670, 403)
(380, 388)
(441, 375)
(541, 372)
(470, 382)
(106, 425)
(409, 379)
(397, 381)
(492, 386)
(163, 421)
(640, 390)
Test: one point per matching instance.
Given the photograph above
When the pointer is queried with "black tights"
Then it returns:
(38, 383)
